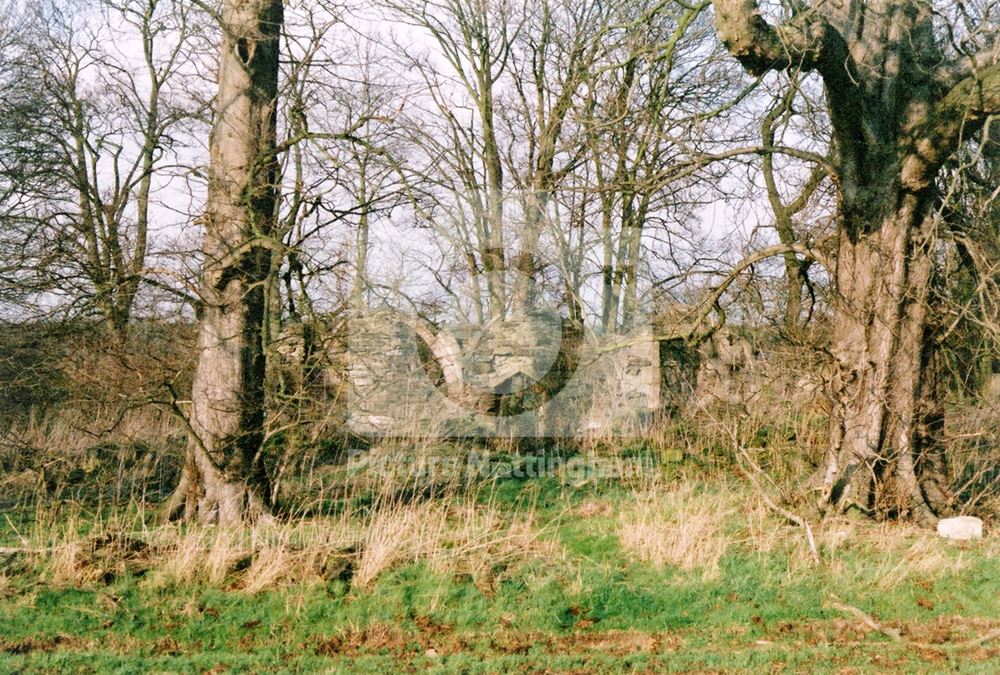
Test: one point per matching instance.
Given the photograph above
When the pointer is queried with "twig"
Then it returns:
(13, 550)
(798, 520)
(981, 640)
(16, 531)
(896, 636)
(867, 619)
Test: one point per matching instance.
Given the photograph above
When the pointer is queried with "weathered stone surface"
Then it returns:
(960, 528)
(534, 376)
(726, 373)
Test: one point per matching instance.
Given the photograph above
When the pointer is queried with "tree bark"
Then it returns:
(881, 322)
(224, 478)
(897, 116)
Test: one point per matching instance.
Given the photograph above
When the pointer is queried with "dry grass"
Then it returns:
(909, 557)
(452, 534)
(458, 537)
(411, 517)
(70, 431)
(879, 556)
(388, 516)
(676, 525)
(96, 454)
(886, 555)
(198, 554)
(763, 534)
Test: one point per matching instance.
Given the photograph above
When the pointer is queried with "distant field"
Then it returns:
(547, 574)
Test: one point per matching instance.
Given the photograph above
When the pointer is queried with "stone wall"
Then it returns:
(535, 376)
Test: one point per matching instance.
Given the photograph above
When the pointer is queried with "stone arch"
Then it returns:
(446, 351)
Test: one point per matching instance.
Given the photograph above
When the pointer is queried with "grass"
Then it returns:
(571, 569)
(676, 526)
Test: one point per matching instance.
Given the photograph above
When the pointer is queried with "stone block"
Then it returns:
(961, 528)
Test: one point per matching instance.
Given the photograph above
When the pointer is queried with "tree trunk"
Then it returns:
(525, 262)
(607, 261)
(224, 478)
(630, 301)
(359, 291)
(898, 110)
(493, 254)
(875, 463)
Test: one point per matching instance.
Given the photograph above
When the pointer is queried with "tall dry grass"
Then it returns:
(452, 531)
(75, 453)
(677, 525)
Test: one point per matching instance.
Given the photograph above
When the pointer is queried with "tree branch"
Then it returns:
(960, 114)
(965, 108)
(806, 41)
(951, 75)
(712, 301)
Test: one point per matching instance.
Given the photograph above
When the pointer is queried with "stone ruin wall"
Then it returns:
(391, 375)
(536, 376)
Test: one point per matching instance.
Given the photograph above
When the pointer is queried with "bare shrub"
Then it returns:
(971, 440)
(83, 453)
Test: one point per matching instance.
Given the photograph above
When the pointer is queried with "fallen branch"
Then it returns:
(868, 620)
(896, 636)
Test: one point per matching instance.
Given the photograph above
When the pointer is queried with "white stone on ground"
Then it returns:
(961, 528)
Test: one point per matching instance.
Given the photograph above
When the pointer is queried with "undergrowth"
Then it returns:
(652, 555)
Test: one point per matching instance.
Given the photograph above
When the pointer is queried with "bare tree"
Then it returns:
(474, 38)
(340, 180)
(646, 115)
(23, 164)
(107, 129)
(224, 477)
(554, 55)
(796, 268)
(899, 106)
(553, 75)
(969, 289)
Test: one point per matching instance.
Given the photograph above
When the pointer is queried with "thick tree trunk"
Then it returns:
(224, 478)
(898, 110)
(877, 462)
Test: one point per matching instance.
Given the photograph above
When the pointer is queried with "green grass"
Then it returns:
(594, 608)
